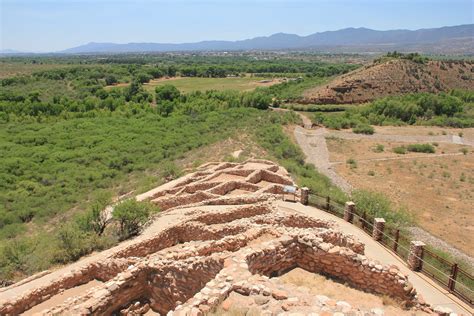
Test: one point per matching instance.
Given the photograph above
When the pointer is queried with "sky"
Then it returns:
(53, 25)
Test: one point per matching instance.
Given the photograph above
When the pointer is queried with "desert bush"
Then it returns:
(401, 150)
(131, 216)
(352, 163)
(363, 129)
(95, 218)
(379, 148)
(421, 148)
(378, 205)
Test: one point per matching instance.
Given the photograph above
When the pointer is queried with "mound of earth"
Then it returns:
(393, 77)
(225, 249)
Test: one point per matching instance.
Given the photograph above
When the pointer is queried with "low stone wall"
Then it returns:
(307, 252)
(226, 187)
(193, 265)
(169, 202)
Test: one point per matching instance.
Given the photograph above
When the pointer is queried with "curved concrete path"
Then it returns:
(431, 292)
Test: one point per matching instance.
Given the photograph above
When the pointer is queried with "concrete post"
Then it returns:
(415, 257)
(304, 195)
(349, 212)
(379, 225)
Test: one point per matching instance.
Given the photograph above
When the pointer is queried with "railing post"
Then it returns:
(379, 225)
(395, 244)
(328, 203)
(364, 221)
(304, 196)
(415, 257)
(349, 212)
(452, 277)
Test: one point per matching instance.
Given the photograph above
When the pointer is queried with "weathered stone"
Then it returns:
(279, 294)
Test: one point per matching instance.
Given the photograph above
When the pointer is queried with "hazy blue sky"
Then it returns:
(49, 25)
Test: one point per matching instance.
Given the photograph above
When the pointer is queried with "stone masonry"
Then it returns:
(234, 240)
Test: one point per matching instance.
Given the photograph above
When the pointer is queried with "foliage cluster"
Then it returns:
(454, 109)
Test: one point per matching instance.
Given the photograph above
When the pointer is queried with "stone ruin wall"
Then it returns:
(194, 265)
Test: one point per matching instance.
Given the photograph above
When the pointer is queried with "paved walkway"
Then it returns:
(431, 292)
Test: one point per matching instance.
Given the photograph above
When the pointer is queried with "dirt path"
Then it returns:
(307, 123)
(313, 144)
(399, 158)
(452, 139)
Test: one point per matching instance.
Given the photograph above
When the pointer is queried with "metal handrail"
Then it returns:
(425, 263)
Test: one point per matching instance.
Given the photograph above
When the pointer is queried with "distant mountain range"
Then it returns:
(449, 39)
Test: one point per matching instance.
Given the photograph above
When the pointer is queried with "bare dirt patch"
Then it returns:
(364, 149)
(467, 133)
(321, 285)
(392, 77)
(438, 191)
(61, 297)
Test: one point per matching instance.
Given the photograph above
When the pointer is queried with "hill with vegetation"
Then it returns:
(393, 75)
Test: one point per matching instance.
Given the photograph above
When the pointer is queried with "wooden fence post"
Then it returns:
(452, 277)
(328, 203)
(364, 221)
(395, 244)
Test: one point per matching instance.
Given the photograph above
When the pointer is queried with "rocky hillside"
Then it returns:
(393, 77)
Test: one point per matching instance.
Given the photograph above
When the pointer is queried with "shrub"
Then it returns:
(132, 215)
(401, 150)
(95, 219)
(464, 150)
(371, 173)
(166, 92)
(169, 170)
(72, 244)
(352, 163)
(379, 148)
(421, 148)
(363, 129)
(378, 205)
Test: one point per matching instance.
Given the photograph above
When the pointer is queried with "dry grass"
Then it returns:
(320, 285)
(438, 191)
(234, 311)
(188, 84)
(342, 149)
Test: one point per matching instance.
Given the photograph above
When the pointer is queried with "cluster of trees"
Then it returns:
(65, 136)
(52, 165)
(132, 98)
(416, 57)
(454, 109)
